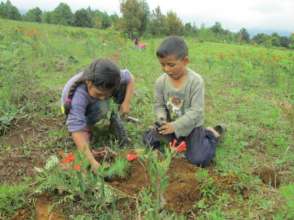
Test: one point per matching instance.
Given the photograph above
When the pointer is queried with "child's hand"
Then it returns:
(124, 108)
(94, 166)
(166, 128)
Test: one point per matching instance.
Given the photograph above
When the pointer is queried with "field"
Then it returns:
(249, 88)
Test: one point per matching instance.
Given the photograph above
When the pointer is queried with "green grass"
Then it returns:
(247, 87)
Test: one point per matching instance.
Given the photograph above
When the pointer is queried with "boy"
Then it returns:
(179, 105)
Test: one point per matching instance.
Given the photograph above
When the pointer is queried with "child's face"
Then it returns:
(96, 92)
(175, 68)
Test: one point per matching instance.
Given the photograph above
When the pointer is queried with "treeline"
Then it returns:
(137, 20)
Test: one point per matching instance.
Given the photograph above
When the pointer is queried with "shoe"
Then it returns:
(221, 130)
(116, 125)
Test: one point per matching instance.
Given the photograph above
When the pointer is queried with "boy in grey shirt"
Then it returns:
(179, 105)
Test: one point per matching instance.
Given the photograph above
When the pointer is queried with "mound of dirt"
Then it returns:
(269, 176)
(183, 190)
(15, 165)
(136, 180)
(29, 130)
(44, 210)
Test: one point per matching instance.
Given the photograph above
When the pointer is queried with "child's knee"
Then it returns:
(150, 139)
(199, 160)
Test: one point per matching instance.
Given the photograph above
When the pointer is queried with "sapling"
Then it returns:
(157, 170)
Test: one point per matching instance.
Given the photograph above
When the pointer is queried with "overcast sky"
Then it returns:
(273, 15)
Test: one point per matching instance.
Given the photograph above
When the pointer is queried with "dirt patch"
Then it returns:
(182, 192)
(17, 164)
(269, 176)
(22, 214)
(29, 130)
(183, 189)
(135, 182)
(44, 210)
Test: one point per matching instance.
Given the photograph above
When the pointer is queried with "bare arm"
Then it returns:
(81, 139)
(125, 106)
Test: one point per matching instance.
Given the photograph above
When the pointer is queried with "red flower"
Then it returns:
(70, 157)
(181, 147)
(132, 156)
(77, 167)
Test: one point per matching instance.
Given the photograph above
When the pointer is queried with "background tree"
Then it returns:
(291, 41)
(47, 17)
(285, 41)
(134, 13)
(275, 40)
(243, 36)
(62, 15)
(82, 18)
(157, 23)
(174, 24)
(217, 28)
(190, 29)
(34, 15)
(9, 11)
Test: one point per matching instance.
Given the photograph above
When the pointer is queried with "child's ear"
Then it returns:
(186, 60)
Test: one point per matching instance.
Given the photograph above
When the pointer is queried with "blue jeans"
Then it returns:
(99, 109)
(96, 111)
(201, 144)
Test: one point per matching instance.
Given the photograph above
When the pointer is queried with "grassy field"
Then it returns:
(249, 88)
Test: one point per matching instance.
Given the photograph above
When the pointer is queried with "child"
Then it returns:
(85, 100)
(179, 105)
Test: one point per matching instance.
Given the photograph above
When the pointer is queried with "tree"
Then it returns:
(263, 39)
(275, 38)
(34, 15)
(82, 18)
(243, 35)
(62, 15)
(190, 29)
(157, 24)
(134, 16)
(7, 10)
(217, 28)
(174, 24)
(101, 19)
(285, 41)
(292, 41)
(47, 17)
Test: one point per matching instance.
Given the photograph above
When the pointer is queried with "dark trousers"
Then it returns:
(120, 93)
(201, 144)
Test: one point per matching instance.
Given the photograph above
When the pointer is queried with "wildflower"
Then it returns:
(77, 167)
(69, 158)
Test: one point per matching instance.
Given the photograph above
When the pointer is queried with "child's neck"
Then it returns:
(178, 83)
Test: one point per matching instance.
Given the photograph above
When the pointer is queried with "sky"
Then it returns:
(254, 15)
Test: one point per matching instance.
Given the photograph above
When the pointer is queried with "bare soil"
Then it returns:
(269, 176)
(19, 161)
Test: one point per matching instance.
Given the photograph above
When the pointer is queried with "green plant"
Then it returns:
(12, 197)
(207, 185)
(153, 201)
(288, 193)
(119, 168)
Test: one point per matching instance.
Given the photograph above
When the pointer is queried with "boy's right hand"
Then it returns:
(94, 166)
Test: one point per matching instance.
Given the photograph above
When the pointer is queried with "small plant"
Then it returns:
(157, 168)
(119, 168)
(12, 197)
(76, 182)
(207, 187)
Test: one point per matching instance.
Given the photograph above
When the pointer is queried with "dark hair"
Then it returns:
(172, 45)
(103, 73)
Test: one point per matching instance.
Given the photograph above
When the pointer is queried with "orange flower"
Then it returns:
(69, 158)
(77, 167)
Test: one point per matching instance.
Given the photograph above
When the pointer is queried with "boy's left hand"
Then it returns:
(166, 128)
